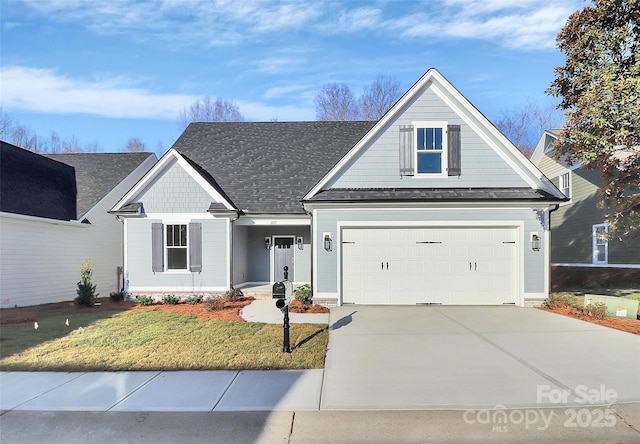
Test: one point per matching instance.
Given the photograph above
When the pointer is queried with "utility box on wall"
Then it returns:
(616, 307)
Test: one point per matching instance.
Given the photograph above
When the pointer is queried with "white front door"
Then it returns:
(461, 266)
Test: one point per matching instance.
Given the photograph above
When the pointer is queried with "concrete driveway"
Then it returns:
(426, 357)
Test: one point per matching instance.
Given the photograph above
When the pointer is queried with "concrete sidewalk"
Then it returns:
(183, 391)
(437, 426)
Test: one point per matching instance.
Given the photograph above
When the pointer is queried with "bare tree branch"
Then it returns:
(134, 145)
(524, 126)
(380, 96)
(206, 110)
(336, 102)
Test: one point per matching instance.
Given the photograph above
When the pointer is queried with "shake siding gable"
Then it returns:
(174, 191)
(378, 165)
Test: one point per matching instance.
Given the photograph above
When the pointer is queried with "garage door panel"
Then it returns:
(465, 266)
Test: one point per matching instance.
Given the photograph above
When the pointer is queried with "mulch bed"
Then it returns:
(628, 325)
(295, 306)
(230, 312)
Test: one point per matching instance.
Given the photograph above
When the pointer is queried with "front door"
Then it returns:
(283, 256)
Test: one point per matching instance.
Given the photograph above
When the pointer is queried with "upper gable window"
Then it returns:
(430, 149)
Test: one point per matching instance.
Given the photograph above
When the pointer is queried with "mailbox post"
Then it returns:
(282, 292)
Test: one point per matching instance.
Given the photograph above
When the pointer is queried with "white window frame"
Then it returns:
(444, 152)
(167, 247)
(565, 177)
(597, 242)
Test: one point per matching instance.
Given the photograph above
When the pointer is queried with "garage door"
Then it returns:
(453, 266)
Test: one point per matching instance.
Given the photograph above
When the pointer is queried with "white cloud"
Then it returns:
(274, 65)
(220, 22)
(522, 24)
(360, 19)
(42, 90)
(528, 24)
(280, 91)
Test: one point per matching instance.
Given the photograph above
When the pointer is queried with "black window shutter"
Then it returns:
(195, 246)
(406, 150)
(454, 148)
(157, 247)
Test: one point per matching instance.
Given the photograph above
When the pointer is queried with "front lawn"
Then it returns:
(151, 339)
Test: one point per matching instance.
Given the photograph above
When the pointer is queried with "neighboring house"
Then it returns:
(578, 254)
(429, 205)
(54, 217)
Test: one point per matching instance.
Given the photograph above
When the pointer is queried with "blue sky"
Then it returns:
(108, 70)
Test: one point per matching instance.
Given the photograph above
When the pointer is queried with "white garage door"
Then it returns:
(454, 266)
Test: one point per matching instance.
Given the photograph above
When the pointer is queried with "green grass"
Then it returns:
(155, 340)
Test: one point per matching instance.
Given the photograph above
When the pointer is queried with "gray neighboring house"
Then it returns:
(54, 217)
(578, 255)
(429, 205)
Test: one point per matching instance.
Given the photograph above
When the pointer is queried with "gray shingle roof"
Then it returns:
(267, 167)
(98, 173)
(33, 185)
(433, 195)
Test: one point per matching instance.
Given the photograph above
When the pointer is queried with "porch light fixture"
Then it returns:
(299, 242)
(267, 243)
(535, 241)
(327, 241)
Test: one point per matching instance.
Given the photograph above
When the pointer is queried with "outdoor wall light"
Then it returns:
(267, 243)
(299, 242)
(327, 241)
(535, 241)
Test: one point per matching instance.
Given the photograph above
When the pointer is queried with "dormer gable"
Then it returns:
(433, 138)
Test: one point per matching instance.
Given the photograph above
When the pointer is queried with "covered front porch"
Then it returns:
(263, 247)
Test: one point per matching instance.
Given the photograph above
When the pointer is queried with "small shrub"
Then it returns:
(170, 299)
(143, 299)
(562, 300)
(214, 304)
(116, 296)
(232, 295)
(194, 299)
(86, 290)
(303, 294)
(597, 310)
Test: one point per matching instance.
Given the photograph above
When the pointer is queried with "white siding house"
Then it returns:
(40, 252)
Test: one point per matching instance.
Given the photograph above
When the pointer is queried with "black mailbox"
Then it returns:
(279, 291)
